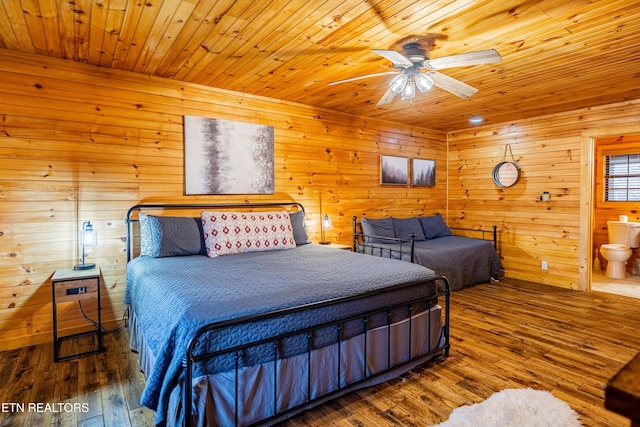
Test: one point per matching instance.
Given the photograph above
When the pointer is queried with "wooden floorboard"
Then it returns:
(503, 335)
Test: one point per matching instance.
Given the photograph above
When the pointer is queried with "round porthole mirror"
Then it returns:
(506, 174)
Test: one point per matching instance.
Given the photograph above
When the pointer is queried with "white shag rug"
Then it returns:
(515, 407)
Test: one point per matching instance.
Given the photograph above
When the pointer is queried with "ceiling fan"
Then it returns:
(409, 72)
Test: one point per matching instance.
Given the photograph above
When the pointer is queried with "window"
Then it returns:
(622, 178)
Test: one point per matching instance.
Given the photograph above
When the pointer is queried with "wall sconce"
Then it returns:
(88, 237)
(325, 224)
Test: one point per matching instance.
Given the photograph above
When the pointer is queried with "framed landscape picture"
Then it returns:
(225, 157)
(423, 173)
(394, 170)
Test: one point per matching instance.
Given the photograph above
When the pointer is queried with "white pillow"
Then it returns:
(237, 232)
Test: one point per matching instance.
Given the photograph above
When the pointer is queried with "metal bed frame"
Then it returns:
(405, 246)
(442, 350)
(429, 299)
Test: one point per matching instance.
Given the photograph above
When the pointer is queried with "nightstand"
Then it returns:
(340, 246)
(69, 285)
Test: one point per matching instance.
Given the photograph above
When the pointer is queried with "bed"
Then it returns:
(464, 259)
(261, 335)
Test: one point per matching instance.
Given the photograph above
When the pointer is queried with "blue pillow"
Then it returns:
(299, 228)
(404, 227)
(176, 236)
(146, 243)
(378, 227)
(434, 227)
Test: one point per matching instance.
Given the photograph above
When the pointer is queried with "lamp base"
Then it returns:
(325, 243)
(84, 266)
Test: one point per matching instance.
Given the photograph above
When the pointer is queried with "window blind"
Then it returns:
(622, 178)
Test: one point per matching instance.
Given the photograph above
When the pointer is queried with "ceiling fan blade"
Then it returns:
(451, 85)
(362, 77)
(387, 97)
(396, 58)
(463, 59)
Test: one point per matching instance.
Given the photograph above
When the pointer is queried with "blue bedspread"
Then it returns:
(464, 261)
(173, 297)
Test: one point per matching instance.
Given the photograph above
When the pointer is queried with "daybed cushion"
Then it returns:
(434, 227)
(175, 236)
(299, 228)
(382, 227)
(228, 233)
(404, 227)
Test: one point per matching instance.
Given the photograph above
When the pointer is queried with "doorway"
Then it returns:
(612, 208)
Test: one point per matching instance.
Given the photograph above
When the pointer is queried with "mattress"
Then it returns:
(464, 261)
(173, 297)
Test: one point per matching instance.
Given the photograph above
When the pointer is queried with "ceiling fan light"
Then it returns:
(423, 82)
(409, 91)
(398, 83)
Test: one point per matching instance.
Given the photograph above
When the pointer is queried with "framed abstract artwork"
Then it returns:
(394, 170)
(423, 173)
(226, 157)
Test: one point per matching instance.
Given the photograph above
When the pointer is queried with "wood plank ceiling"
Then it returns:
(558, 55)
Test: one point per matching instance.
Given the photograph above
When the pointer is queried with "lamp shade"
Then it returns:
(423, 82)
(409, 91)
(398, 83)
(325, 224)
(88, 237)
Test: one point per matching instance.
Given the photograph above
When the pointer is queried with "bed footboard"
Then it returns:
(384, 340)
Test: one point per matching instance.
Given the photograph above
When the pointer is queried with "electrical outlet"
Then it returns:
(544, 265)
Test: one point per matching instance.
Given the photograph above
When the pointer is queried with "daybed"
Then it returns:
(241, 335)
(428, 241)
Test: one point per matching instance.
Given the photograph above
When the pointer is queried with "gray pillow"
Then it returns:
(382, 227)
(434, 227)
(299, 228)
(404, 227)
(146, 243)
(176, 236)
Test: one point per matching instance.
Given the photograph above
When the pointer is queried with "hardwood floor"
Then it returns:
(504, 335)
(108, 383)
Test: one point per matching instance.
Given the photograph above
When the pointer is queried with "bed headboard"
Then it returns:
(166, 208)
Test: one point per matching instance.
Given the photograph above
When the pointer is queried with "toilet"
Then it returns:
(623, 236)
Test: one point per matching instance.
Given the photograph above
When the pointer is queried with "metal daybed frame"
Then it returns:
(192, 357)
(405, 246)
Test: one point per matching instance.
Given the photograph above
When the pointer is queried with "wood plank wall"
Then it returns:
(549, 151)
(80, 142)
